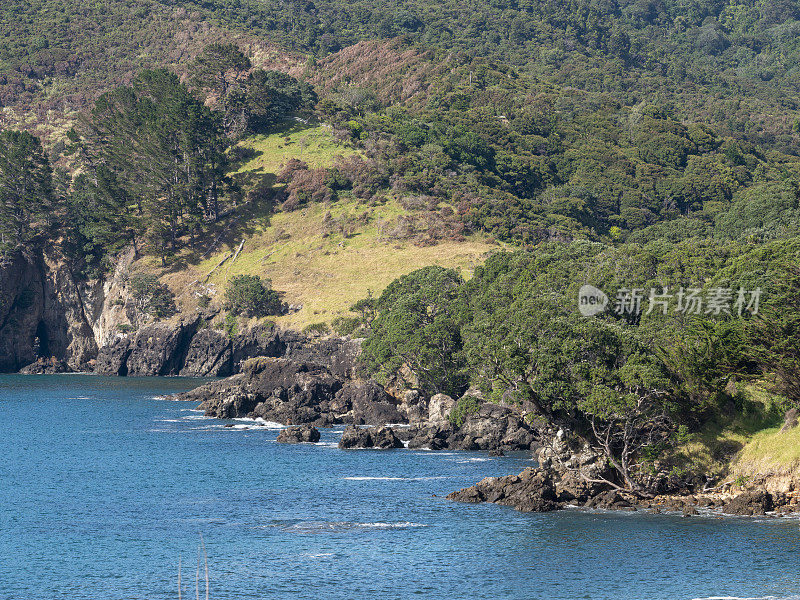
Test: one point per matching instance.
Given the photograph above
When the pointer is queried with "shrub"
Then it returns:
(151, 296)
(231, 325)
(317, 329)
(346, 325)
(251, 296)
(466, 406)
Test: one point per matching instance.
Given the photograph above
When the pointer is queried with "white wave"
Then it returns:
(158, 397)
(320, 555)
(318, 526)
(168, 420)
(471, 460)
(81, 398)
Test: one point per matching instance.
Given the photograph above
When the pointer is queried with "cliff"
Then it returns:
(43, 312)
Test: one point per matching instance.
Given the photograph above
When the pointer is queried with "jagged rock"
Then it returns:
(40, 300)
(609, 500)
(369, 403)
(495, 426)
(261, 340)
(530, 491)
(434, 436)
(274, 389)
(379, 438)
(298, 435)
(160, 348)
(210, 354)
(112, 359)
(413, 407)
(46, 366)
(756, 502)
(790, 420)
(690, 511)
(439, 407)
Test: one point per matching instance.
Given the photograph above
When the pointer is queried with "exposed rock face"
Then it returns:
(378, 438)
(439, 407)
(275, 389)
(492, 427)
(368, 402)
(183, 348)
(750, 503)
(530, 491)
(790, 420)
(210, 354)
(46, 366)
(298, 435)
(42, 313)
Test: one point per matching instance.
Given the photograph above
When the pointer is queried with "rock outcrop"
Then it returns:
(42, 313)
(491, 427)
(376, 438)
(758, 502)
(530, 491)
(299, 435)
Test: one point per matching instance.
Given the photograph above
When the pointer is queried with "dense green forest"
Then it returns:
(628, 145)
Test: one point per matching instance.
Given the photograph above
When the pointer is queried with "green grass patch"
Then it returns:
(325, 271)
(314, 145)
(730, 429)
(770, 451)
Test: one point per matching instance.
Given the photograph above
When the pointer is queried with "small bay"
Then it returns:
(105, 484)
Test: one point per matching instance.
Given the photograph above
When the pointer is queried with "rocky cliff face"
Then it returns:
(51, 321)
(43, 313)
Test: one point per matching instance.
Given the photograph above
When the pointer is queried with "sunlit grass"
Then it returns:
(313, 145)
(722, 437)
(326, 274)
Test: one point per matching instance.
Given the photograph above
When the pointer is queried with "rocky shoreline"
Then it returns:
(540, 490)
(304, 383)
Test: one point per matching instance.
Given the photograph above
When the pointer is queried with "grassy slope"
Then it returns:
(314, 145)
(313, 264)
(730, 443)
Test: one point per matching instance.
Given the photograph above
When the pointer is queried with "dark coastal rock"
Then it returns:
(493, 427)
(261, 340)
(209, 354)
(160, 348)
(46, 366)
(610, 500)
(530, 491)
(757, 502)
(413, 406)
(496, 426)
(274, 389)
(112, 359)
(434, 437)
(42, 312)
(378, 438)
(369, 403)
(298, 435)
(339, 355)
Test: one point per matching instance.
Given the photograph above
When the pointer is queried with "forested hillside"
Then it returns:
(635, 145)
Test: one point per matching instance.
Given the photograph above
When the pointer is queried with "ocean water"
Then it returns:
(105, 486)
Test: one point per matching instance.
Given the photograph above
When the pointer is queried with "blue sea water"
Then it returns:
(105, 485)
